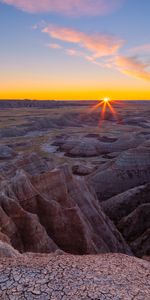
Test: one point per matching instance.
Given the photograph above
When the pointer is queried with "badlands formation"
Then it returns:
(74, 202)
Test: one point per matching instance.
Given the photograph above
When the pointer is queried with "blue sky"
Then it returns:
(42, 61)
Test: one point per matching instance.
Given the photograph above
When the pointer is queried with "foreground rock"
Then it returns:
(44, 277)
(8, 251)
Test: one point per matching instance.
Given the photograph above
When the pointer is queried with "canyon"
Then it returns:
(74, 192)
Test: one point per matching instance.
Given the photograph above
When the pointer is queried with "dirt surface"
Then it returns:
(65, 277)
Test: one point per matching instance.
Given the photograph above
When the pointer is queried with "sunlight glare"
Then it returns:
(106, 99)
(106, 105)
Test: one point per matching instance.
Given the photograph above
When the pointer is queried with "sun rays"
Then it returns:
(105, 104)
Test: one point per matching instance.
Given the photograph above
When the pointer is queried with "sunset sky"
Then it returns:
(74, 49)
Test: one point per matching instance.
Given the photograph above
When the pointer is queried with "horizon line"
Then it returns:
(16, 99)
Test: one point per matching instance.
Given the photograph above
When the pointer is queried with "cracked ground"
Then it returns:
(64, 277)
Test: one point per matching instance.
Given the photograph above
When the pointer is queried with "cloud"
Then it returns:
(97, 44)
(141, 49)
(74, 52)
(133, 67)
(54, 46)
(77, 53)
(101, 50)
(70, 7)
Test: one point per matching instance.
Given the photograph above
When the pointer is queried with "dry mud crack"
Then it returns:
(64, 277)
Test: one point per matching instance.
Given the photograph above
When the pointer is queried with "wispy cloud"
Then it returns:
(101, 49)
(97, 44)
(54, 46)
(141, 49)
(74, 52)
(133, 67)
(70, 7)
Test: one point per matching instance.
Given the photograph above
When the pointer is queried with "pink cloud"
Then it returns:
(133, 67)
(98, 44)
(73, 7)
(141, 49)
(74, 52)
(54, 46)
(77, 53)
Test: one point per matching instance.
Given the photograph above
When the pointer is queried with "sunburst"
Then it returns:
(106, 104)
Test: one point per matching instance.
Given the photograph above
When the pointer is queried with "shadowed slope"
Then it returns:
(52, 209)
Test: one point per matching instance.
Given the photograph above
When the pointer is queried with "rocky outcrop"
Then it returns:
(130, 212)
(6, 152)
(136, 223)
(81, 170)
(32, 164)
(50, 209)
(7, 251)
(29, 234)
(92, 146)
(123, 204)
(130, 169)
(4, 238)
(135, 228)
(129, 208)
(141, 246)
(8, 227)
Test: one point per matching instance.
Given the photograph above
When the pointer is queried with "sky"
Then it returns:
(75, 49)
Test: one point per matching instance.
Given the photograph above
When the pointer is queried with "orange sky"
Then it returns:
(43, 88)
(70, 50)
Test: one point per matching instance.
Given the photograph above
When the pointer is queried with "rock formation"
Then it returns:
(90, 146)
(7, 251)
(135, 228)
(130, 169)
(44, 209)
(81, 170)
(130, 212)
(6, 152)
(125, 203)
(141, 246)
(31, 163)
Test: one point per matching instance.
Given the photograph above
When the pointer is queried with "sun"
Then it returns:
(106, 99)
(105, 104)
